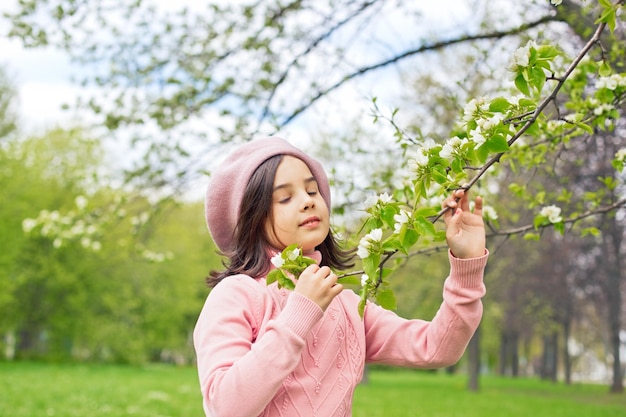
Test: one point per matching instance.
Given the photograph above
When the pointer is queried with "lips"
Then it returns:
(310, 221)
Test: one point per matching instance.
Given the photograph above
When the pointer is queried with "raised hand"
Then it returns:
(465, 230)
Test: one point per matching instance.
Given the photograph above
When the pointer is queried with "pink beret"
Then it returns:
(228, 183)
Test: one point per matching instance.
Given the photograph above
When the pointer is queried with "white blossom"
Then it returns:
(611, 82)
(28, 225)
(451, 146)
(370, 201)
(602, 108)
(385, 198)
(364, 280)
(418, 160)
(521, 57)
(490, 213)
(428, 144)
(553, 213)
(556, 2)
(620, 155)
(493, 121)
(375, 235)
(473, 106)
(477, 137)
(363, 250)
(293, 255)
(81, 202)
(401, 219)
(515, 99)
(277, 260)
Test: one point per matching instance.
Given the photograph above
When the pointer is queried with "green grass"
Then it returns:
(409, 393)
(41, 390)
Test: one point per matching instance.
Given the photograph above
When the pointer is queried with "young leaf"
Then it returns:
(386, 299)
(272, 276)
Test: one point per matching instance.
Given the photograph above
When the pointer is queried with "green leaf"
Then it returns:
(272, 276)
(386, 299)
(560, 227)
(605, 69)
(537, 78)
(522, 85)
(387, 215)
(362, 307)
(593, 231)
(408, 238)
(548, 51)
(482, 153)
(426, 212)
(499, 105)
(539, 220)
(585, 127)
(350, 280)
(284, 281)
(424, 226)
(370, 264)
(532, 236)
(497, 144)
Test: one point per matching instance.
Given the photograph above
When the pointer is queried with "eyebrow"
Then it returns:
(288, 184)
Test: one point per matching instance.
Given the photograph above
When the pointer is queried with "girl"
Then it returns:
(265, 351)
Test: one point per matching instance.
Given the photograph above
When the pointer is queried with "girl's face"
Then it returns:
(299, 213)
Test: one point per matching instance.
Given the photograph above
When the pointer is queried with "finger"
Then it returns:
(450, 203)
(323, 272)
(464, 200)
(336, 289)
(478, 206)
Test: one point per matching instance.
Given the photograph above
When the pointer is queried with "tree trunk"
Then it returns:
(567, 360)
(514, 354)
(614, 298)
(473, 351)
(503, 350)
(550, 356)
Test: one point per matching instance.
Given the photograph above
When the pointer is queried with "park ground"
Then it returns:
(29, 389)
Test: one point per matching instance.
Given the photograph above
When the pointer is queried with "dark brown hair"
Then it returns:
(250, 255)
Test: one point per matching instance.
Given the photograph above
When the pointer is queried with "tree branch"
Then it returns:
(505, 232)
(425, 48)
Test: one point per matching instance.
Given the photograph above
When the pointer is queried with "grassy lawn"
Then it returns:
(41, 390)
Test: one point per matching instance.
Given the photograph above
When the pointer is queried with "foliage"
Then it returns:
(488, 130)
(103, 279)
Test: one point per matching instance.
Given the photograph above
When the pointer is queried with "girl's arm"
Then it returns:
(238, 374)
(441, 342)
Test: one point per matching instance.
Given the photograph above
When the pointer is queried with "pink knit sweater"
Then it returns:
(264, 351)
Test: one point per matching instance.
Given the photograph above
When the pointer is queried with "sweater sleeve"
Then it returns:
(238, 374)
(441, 342)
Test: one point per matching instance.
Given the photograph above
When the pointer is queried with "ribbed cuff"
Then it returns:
(300, 314)
(467, 273)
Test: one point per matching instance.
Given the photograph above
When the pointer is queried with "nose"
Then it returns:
(308, 202)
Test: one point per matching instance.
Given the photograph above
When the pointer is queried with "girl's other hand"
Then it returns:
(465, 231)
(319, 285)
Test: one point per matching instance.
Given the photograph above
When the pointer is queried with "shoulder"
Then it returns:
(236, 299)
(237, 289)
